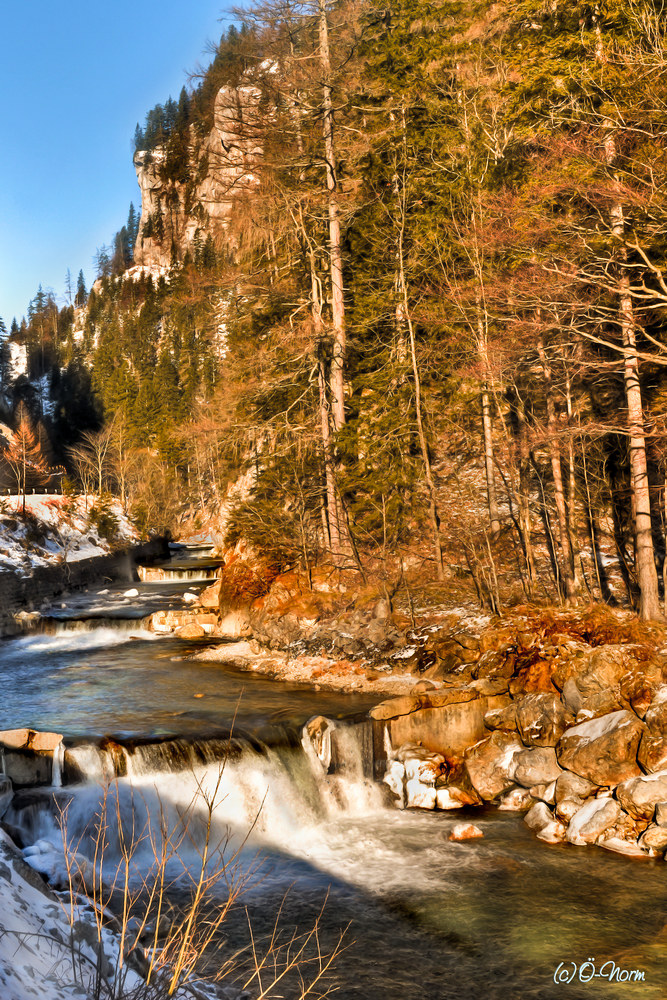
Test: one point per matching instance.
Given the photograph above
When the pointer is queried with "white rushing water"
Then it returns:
(71, 639)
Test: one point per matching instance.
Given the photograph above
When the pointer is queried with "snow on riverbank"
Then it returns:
(55, 529)
(41, 954)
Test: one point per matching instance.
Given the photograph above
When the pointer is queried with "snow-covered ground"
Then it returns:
(43, 952)
(56, 529)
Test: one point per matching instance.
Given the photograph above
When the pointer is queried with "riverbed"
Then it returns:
(422, 917)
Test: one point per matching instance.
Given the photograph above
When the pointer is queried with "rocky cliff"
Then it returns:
(180, 208)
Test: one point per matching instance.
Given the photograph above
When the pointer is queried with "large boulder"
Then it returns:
(661, 813)
(502, 718)
(542, 821)
(545, 793)
(592, 819)
(570, 794)
(516, 800)
(491, 764)
(603, 750)
(493, 665)
(640, 795)
(652, 753)
(190, 631)
(455, 790)
(595, 670)
(536, 767)
(394, 779)
(422, 768)
(445, 728)
(639, 686)
(569, 785)
(600, 703)
(210, 597)
(394, 708)
(656, 716)
(654, 837)
(541, 719)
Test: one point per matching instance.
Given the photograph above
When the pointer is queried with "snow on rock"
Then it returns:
(49, 940)
(590, 822)
(35, 934)
(56, 529)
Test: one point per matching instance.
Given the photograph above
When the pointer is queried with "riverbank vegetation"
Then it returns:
(430, 336)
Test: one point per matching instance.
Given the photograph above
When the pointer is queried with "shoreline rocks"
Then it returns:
(584, 755)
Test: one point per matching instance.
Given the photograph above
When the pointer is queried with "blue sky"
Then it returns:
(75, 78)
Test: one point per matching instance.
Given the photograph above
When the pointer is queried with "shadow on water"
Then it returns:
(429, 919)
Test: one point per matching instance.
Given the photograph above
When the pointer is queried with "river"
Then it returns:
(423, 917)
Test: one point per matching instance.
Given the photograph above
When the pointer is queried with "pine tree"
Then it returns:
(81, 296)
(139, 139)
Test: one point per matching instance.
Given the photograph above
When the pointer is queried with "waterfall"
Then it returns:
(53, 625)
(57, 770)
(276, 794)
(165, 574)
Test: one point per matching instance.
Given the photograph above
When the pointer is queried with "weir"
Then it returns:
(54, 625)
(271, 792)
(295, 808)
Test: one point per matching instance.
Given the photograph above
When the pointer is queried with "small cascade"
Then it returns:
(276, 793)
(55, 625)
(57, 769)
(178, 574)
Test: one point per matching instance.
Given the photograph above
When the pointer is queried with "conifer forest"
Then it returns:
(427, 332)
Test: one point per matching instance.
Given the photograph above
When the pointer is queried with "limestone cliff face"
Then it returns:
(175, 213)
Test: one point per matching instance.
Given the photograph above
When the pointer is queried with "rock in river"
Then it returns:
(591, 821)
(465, 831)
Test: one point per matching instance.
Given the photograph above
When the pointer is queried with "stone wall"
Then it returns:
(27, 593)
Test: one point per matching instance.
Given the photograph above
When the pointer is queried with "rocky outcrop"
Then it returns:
(176, 212)
(577, 738)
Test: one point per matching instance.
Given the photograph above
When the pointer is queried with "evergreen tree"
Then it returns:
(81, 296)
(139, 139)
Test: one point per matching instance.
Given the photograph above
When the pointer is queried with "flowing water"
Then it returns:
(423, 917)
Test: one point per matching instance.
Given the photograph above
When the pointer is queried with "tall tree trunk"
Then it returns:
(423, 444)
(523, 463)
(337, 374)
(332, 517)
(487, 422)
(647, 574)
(566, 561)
(577, 565)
